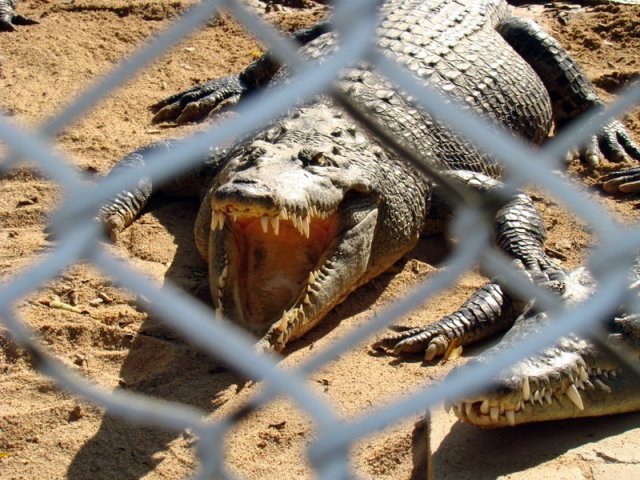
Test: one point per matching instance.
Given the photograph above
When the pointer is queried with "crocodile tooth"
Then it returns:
(584, 376)
(547, 396)
(511, 417)
(605, 374)
(219, 311)
(536, 396)
(234, 215)
(296, 222)
(518, 405)
(217, 220)
(501, 409)
(283, 214)
(275, 224)
(222, 282)
(282, 325)
(574, 396)
(306, 224)
(264, 221)
(598, 371)
(312, 278)
(467, 408)
(613, 374)
(447, 407)
(313, 212)
(494, 412)
(225, 272)
(526, 390)
(484, 407)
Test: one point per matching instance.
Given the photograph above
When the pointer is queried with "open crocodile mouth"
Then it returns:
(540, 402)
(264, 259)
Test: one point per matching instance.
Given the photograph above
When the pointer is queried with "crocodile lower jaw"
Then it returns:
(573, 399)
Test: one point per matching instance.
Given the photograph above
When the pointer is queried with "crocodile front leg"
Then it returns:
(9, 18)
(123, 209)
(571, 92)
(196, 103)
(519, 232)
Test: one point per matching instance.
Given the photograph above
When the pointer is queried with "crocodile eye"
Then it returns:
(318, 159)
(310, 157)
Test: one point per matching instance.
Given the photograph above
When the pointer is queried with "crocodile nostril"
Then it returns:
(246, 181)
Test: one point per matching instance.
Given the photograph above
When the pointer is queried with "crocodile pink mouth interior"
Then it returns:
(271, 269)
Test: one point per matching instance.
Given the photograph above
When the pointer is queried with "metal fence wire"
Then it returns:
(80, 239)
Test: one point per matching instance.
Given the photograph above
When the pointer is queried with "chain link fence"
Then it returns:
(80, 239)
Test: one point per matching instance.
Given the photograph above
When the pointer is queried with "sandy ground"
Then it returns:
(48, 434)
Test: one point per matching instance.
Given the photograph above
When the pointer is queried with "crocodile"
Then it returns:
(296, 216)
(574, 377)
(9, 18)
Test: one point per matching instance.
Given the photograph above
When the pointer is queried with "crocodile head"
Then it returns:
(572, 378)
(294, 215)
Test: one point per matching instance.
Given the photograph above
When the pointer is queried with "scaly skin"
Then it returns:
(297, 216)
(9, 18)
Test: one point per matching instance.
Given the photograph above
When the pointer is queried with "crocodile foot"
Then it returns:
(487, 308)
(197, 103)
(488, 311)
(9, 18)
(613, 143)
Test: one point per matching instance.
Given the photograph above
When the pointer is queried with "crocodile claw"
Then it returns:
(113, 224)
(613, 143)
(414, 340)
(196, 103)
(625, 180)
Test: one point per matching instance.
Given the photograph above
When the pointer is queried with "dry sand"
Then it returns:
(48, 434)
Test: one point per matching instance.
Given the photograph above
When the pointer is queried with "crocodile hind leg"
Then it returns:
(520, 233)
(196, 103)
(571, 92)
